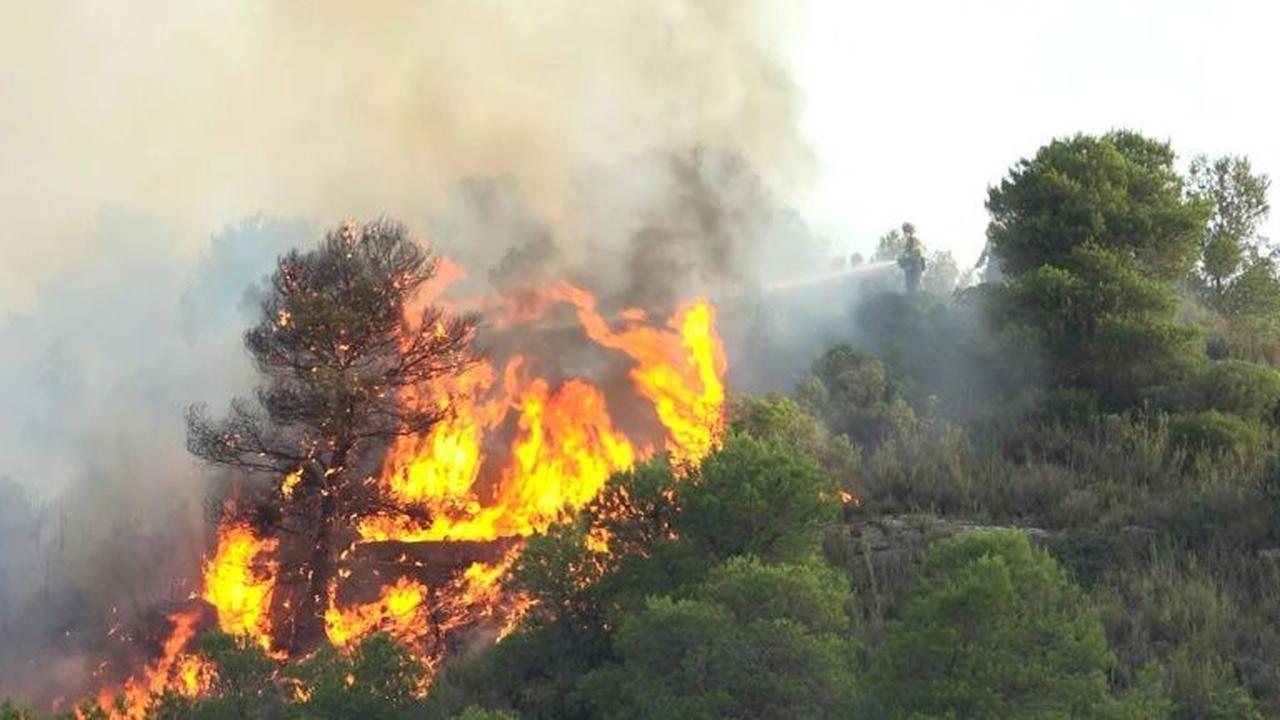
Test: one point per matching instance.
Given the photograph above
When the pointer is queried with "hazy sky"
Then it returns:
(917, 106)
(198, 113)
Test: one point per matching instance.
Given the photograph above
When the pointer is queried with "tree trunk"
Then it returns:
(308, 619)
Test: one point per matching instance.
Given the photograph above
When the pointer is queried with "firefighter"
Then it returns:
(912, 259)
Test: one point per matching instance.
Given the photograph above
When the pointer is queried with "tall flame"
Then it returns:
(683, 380)
(238, 582)
(566, 445)
(512, 454)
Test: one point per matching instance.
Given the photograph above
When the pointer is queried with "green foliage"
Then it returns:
(244, 685)
(1106, 325)
(1255, 292)
(994, 630)
(1237, 275)
(1207, 688)
(1230, 386)
(1179, 618)
(754, 498)
(533, 674)
(1119, 192)
(722, 654)
(1213, 432)
(9, 711)
(784, 422)
(639, 512)
(1238, 198)
(378, 679)
(675, 573)
(855, 394)
(810, 594)
(1094, 234)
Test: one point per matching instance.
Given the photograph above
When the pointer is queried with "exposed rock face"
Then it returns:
(881, 553)
(900, 537)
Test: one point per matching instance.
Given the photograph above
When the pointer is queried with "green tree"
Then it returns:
(1238, 197)
(755, 498)
(890, 246)
(335, 350)
(1095, 235)
(379, 679)
(1119, 192)
(751, 497)
(784, 421)
(754, 641)
(856, 395)
(664, 536)
(941, 274)
(993, 629)
(244, 684)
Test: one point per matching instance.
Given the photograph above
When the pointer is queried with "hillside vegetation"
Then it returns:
(1054, 493)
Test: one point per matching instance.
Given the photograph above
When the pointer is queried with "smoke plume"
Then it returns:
(644, 149)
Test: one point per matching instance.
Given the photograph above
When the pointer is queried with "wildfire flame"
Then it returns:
(567, 445)
(512, 454)
(238, 582)
(174, 671)
(400, 611)
(684, 381)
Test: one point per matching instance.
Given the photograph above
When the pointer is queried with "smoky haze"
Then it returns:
(158, 156)
(202, 112)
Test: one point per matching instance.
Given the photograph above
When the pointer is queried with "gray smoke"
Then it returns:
(648, 150)
(102, 517)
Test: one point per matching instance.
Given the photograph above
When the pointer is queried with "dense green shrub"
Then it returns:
(1214, 432)
(754, 641)
(993, 630)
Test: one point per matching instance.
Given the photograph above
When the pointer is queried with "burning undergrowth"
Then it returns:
(568, 390)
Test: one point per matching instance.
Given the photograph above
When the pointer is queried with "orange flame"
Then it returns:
(187, 675)
(512, 454)
(400, 611)
(566, 445)
(238, 582)
(682, 378)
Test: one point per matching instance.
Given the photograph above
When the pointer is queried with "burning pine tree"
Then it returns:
(379, 440)
(336, 352)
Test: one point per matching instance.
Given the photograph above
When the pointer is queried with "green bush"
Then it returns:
(1215, 433)
(993, 630)
(754, 641)
(1244, 389)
